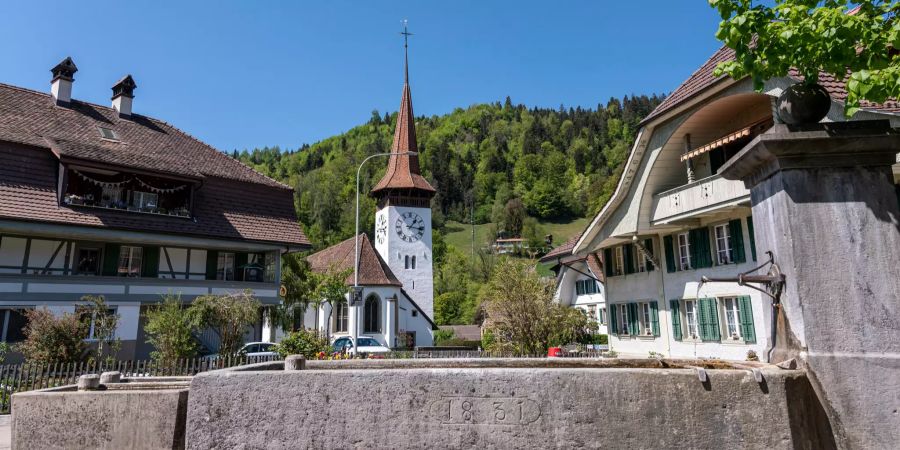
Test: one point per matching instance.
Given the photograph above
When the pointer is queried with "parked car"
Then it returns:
(251, 350)
(367, 344)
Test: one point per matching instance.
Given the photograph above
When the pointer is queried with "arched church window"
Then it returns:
(341, 313)
(372, 315)
(406, 262)
(413, 263)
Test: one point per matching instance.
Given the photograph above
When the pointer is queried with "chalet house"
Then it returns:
(674, 219)
(579, 282)
(101, 200)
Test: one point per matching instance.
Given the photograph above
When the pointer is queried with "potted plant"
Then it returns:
(850, 40)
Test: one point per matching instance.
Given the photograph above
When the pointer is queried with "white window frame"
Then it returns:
(722, 235)
(731, 310)
(684, 251)
(623, 319)
(602, 313)
(342, 317)
(619, 266)
(224, 266)
(645, 320)
(688, 333)
(640, 263)
(130, 256)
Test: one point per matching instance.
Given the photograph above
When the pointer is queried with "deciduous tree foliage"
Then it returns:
(50, 338)
(814, 36)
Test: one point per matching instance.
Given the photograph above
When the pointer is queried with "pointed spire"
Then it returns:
(403, 171)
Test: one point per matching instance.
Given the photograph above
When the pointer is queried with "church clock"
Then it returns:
(410, 226)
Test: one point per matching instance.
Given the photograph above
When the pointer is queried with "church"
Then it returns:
(396, 272)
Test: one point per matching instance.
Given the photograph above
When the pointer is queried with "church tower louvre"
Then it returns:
(403, 218)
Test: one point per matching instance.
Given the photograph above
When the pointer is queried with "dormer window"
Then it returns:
(108, 133)
(100, 188)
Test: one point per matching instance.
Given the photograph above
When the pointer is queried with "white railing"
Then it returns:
(698, 197)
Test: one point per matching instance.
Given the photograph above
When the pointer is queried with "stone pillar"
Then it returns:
(390, 325)
(824, 203)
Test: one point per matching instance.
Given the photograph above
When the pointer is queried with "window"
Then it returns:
(586, 287)
(88, 261)
(130, 261)
(690, 319)
(619, 266)
(406, 262)
(13, 321)
(372, 315)
(684, 251)
(108, 133)
(253, 270)
(645, 319)
(340, 317)
(225, 266)
(111, 197)
(602, 316)
(640, 263)
(413, 262)
(732, 318)
(622, 318)
(368, 342)
(270, 267)
(723, 244)
(144, 200)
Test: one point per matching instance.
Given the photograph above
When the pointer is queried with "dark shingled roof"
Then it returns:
(373, 271)
(232, 202)
(703, 78)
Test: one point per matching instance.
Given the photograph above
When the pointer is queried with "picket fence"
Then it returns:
(28, 376)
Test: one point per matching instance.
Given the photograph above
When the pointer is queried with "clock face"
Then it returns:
(410, 227)
(381, 229)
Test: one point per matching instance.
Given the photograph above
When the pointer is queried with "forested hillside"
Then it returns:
(511, 161)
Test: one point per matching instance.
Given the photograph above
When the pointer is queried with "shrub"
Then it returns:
(168, 329)
(440, 336)
(50, 338)
(229, 314)
(94, 309)
(308, 343)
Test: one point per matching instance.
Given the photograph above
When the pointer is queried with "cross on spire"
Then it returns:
(406, 34)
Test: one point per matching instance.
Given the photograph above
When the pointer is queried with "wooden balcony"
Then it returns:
(699, 198)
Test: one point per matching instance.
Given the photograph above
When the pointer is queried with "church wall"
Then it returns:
(418, 282)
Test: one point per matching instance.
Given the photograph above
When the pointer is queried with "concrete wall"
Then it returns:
(392, 406)
(56, 419)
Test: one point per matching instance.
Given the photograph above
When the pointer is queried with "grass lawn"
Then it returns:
(459, 235)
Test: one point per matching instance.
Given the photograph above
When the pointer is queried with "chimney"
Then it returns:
(61, 84)
(123, 95)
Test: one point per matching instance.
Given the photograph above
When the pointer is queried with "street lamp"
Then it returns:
(355, 332)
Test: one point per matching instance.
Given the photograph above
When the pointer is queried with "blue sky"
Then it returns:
(256, 73)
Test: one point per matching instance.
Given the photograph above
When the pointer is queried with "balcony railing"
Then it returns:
(699, 197)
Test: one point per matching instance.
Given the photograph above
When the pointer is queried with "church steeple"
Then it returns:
(403, 174)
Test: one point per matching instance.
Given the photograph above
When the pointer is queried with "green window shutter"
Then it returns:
(752, 237)
(111, 259)
(628, 255)
(709, 320)
(670, 254)
(675, 305)
(240, 260)
(746, 316)
(608, 261)
(613, 319)
(150, 262)
(700, 249)
(737, 241)
(634, 327)
(212, 263)
(654, 318)
(648, 244)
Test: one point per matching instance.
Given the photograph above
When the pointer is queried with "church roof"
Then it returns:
(373, 271)
(403, 171)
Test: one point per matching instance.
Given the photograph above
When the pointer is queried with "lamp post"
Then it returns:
(355, 331)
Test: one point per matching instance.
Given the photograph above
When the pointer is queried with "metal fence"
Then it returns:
(28, 377)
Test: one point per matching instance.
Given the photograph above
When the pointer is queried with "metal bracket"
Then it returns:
(645, 253)
(772, 282)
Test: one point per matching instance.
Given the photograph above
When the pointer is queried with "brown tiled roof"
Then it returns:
(561, 251)
(373, 271)
(32, 118)
(703, 77)
(593, 262)
(223, 208)
(403, 170)
(232, 202)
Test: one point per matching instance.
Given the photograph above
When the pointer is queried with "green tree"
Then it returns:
(521, 314)
(229, 314)
(814, 36)
(168, 328)
(299, 288)
(103, 320)
(53, 339)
